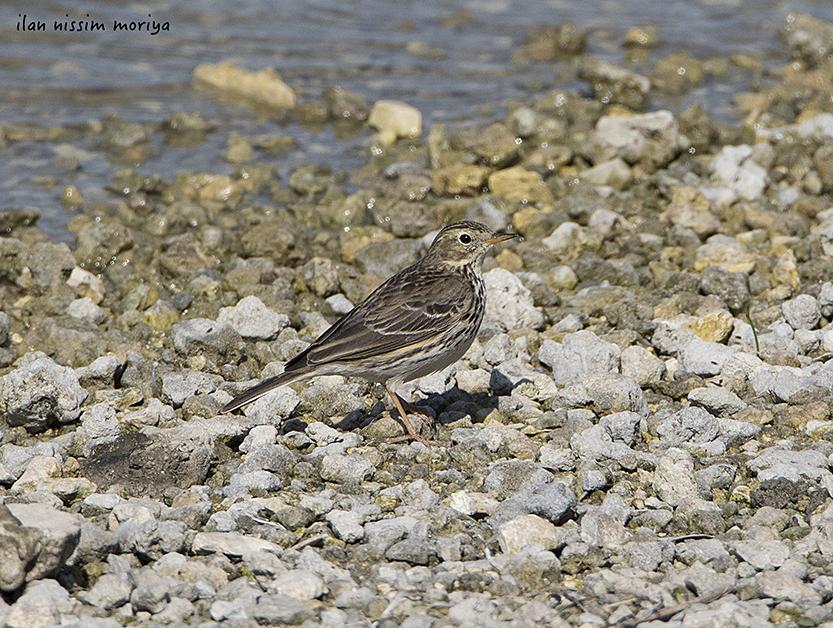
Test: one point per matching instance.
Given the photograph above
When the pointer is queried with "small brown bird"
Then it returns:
(418, 322)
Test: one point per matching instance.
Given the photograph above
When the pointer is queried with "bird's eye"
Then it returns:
(465, 238)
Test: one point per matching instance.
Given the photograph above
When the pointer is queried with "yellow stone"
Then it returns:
(724, 252)
(359, 237)
(509, 260)
(714, 327)
(519, 184)
(786, 270)
(264, 87)
(459, 179)
(395, 119)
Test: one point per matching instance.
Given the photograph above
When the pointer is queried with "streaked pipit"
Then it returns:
(416, 323)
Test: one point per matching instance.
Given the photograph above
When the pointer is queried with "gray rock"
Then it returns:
(728, 610)
(151, 539)
(218, 342)
(689, 425)
(381, 535)
(796, 466)
(16, 459)
(596, 443)
(277, 404)
(802, 312)
(321, 276)
(498, 349)
(704, 358)
(176, 612)
(735, 168)
(554, 502)
(347, 525)
(109, 592)
(507, 478)
(241, 483)
(50, 264)
(148, 465)
(85, 309)
(714, 476)
(177, 387)
(231, 544)
(339, 304)
(418, 495)
(154, 413)
(19, 546)
(487, 214)
(674, 480)
(4, 328)
(94, 544)
(642, 366)
(730, 287)
(280, 609)
(670, 340)
(151, 593)
(517, 533)
(784, 586)
(339, 468)
(388, 258)
(41, 394)
(100, 421)
(298, 583)
(534, 567)
(44, 603)
(787, 383)
(762, 555)
(60, 531)
(253, 320)
(603, 530)
(718, 401)
(103, 501)
(275, 458)
(579, 356)
(704, 550)
(614, 393)
(623, 426)
(699, 516)
(509, 304)
(651, 139)
(414, 550)
(648, 555)
(258, 436)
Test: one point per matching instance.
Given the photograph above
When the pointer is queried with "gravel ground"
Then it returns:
(640, 435)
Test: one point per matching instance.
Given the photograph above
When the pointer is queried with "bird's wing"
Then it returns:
(406, 310)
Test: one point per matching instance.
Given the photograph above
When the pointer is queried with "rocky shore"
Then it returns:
(641, 435)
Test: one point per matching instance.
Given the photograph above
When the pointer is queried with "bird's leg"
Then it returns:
(412, 433)
(412, 409)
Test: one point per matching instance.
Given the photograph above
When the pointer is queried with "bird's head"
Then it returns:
(465, 242)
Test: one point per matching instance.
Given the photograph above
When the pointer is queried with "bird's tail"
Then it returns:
(258, 390)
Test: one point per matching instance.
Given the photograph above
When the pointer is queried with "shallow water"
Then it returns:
(378, 48)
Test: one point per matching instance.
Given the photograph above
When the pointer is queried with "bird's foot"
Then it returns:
(412, 434)
(420, 411)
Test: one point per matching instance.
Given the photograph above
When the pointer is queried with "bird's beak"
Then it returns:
(501, 238)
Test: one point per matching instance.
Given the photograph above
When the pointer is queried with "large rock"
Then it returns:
(509, 304)
(19, 546)
(650, 140)
(253, 320)
(144, 466)
(41, 394)
(60, 533)
(219, 342)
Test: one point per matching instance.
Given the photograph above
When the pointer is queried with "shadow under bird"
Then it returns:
(418, 322)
